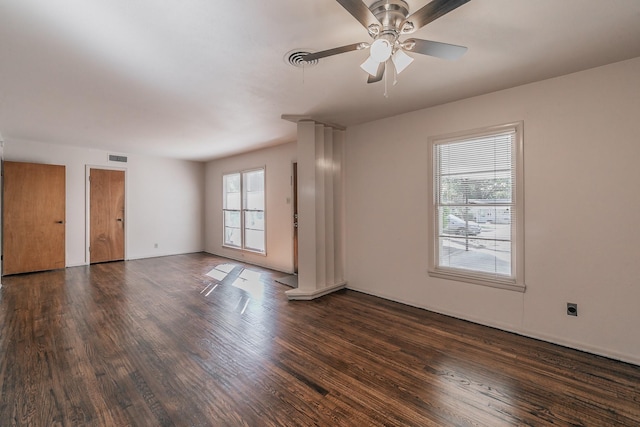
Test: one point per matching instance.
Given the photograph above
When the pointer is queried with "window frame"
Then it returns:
(243, 211)
(516, 280)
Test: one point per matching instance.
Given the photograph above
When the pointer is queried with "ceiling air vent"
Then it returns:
(114, 158)
(296, 58)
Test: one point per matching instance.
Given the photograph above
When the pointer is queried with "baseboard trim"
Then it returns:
(300, 295)
(580, 346)
(257, 264)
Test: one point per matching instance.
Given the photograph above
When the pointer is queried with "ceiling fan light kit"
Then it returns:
(380, 50)
(386, 21)
(401, 60)
(370, 66)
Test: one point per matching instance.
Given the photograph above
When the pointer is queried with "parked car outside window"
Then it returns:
(459, 226)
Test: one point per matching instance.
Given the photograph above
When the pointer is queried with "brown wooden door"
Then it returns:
(34, 217)
(106, 208)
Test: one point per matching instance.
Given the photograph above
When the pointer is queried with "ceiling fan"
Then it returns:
(386, 21)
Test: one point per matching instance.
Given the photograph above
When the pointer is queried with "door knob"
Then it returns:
(119, 219)
(59, 222)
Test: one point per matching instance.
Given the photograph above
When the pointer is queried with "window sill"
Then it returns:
(478, 280)
(249, 251)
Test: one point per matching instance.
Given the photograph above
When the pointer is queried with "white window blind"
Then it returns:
(476, 208)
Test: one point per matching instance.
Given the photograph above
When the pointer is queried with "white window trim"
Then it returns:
(242, 211)
(517, 248)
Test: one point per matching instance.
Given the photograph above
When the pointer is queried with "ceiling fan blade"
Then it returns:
(379, 74)
(360, 11)
(335, 51)
(437, 49)
(432, 11)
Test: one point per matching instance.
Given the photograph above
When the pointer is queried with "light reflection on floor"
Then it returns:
(249, 281)
(461, 383)
(237, 294)
(246, 280)
(210, 288)
(221, 271)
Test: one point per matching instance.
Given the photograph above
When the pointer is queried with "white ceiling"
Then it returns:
(202, 79)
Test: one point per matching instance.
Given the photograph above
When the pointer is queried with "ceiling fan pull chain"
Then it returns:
(395, 75)
(386, 79)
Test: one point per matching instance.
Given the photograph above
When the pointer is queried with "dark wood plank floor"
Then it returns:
(157, 342)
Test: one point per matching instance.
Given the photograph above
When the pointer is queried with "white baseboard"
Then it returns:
(580, 346)
(300, 295)
(252, 262)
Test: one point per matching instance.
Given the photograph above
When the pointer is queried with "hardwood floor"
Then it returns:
(157, 342)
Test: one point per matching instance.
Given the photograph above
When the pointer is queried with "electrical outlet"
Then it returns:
(155, 245)
(572, 309)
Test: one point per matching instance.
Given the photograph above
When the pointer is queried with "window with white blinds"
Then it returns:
(244, 210)
(477, 230)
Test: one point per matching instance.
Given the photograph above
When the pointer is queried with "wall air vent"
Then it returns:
(114, 158)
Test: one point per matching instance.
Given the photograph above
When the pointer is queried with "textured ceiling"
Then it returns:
(202, 79)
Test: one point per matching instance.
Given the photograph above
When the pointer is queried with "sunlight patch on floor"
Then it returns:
(220, 272)
(249, 281)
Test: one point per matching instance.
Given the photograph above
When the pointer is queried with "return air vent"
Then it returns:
(114, 158)
(296, 58)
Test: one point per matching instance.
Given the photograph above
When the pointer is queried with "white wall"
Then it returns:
(278, 162)
(582, 205)
(164, 201)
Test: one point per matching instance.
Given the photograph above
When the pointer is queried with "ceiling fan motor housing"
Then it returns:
(392, 15)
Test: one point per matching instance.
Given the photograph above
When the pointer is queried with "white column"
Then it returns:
(320, 201)
(320, 234)
(306, 208)
(339, 249)
(329, 177)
